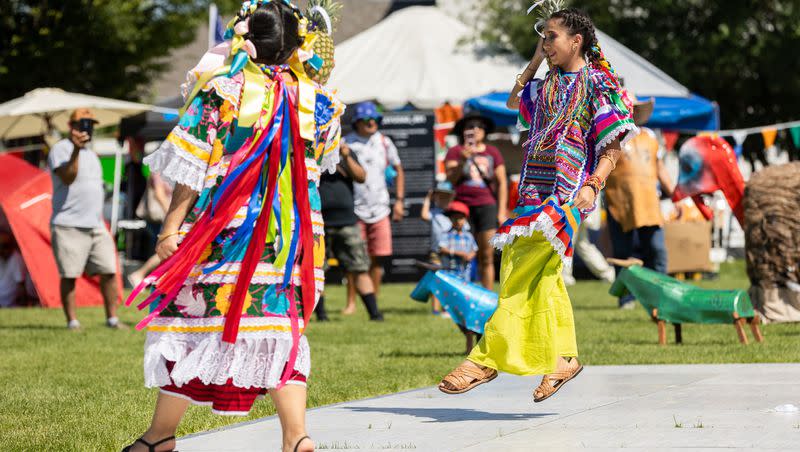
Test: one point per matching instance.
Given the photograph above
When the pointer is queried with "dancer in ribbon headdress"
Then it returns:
(242, 243)
(577, 118)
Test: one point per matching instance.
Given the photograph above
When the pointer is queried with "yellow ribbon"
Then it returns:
(254, 95)
(306, 94)
(286, 199)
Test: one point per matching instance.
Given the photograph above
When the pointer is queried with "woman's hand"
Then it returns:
(585, 198)
(502, 217)
(167, 247)
(539, 54)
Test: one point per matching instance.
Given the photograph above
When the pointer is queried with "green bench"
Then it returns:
(668, 300)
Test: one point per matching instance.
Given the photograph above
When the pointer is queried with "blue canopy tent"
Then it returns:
(670, 113)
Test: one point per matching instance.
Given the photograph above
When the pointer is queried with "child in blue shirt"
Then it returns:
(457, 247)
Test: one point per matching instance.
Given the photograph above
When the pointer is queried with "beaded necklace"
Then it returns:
(560, 108)
(271, 70)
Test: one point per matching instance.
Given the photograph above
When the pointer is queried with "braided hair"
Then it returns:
(579, 23)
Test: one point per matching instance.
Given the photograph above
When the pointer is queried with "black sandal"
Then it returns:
(152, 447)
(296, 446)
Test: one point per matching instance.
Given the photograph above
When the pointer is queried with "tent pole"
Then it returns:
(115, 195)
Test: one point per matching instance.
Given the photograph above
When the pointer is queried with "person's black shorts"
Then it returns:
(483, 218)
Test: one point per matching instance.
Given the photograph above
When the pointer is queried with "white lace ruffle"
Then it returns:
(227, 88)
(329, 162)
(177, 166)
(543, 224)
(255, 360)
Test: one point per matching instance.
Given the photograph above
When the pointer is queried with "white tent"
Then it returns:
(414, 56)
(424, 56)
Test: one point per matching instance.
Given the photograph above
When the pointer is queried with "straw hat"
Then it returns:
(642, 111)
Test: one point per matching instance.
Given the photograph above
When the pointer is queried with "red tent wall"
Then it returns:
(26, 199)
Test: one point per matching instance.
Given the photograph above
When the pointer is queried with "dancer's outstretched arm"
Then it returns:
(526, 76)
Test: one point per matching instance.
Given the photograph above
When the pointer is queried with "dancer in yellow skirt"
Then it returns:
(578, 117)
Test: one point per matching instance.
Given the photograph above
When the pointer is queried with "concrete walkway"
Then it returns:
(699, 407)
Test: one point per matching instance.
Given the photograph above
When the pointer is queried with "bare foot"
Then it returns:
(349, 310)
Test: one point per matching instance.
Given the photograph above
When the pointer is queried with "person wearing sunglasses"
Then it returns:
(378, 155)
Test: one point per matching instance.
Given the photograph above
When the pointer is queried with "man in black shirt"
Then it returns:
(342, 234)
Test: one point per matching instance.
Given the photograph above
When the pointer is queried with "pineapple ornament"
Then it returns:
(322, 15)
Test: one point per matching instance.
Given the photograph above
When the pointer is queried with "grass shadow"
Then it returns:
(437, 415)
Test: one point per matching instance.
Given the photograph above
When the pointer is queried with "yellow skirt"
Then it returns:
(533, 324)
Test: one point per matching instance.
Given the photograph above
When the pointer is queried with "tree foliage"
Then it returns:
(741, 53)
(108, 48)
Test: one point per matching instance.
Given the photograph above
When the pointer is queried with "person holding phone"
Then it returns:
(81, 242)
(478, 173)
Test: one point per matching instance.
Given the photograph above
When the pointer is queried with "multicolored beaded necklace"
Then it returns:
(560, 108)
(271, 70)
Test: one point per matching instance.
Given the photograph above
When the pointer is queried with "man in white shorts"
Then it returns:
(81, 242)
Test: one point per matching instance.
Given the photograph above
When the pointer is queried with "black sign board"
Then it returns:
(412, 133)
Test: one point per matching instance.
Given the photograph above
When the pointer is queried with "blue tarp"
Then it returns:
(670, 113)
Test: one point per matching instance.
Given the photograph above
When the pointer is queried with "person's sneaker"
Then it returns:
(569, 280)
(444, 315)
(628, 305)
(115, 324)
(74, 325)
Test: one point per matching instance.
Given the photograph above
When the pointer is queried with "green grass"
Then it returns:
(83, 391)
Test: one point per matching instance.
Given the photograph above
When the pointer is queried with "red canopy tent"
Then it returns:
(25, 197)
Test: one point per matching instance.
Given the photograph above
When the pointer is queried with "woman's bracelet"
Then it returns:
(162, 237)
(610, 160)
(595, 183)
(519, 83)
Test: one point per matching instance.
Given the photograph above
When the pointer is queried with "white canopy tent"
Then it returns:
(38, 110)
(44, 110)
(414, 56)
(424, 56)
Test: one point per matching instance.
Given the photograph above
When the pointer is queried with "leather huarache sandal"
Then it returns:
(465, 377)
(150, 447)
(551, 383)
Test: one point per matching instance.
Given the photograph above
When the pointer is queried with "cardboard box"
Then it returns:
(688, 247)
